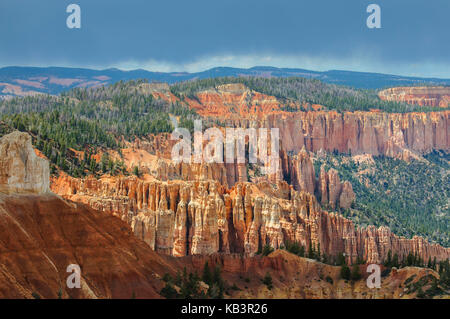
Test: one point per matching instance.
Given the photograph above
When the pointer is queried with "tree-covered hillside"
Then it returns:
(87, 119)
(411, 198)
(302, 90)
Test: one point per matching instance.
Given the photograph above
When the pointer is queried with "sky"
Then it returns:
(183, 35)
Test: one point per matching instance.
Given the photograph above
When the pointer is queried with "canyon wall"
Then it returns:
(395, 135)
(388, 134)
(202, 217)
(375, 133)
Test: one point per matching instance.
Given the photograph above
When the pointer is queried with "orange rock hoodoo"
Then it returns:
(202, 217)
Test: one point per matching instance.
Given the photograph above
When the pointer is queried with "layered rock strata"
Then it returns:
(373, 133)
(202, 217)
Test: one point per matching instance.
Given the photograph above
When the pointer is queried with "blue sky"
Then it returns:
(194, 35)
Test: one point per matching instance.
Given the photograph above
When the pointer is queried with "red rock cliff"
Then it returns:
(202, 217)
(372, 133)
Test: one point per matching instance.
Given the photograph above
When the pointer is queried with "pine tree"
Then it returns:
(410, 260)
(345, 272)
(168, 291)
(218, 282)
(301, 252)
(429, 264)
(356, 274)
(340, 259)
(267, 249)
(207, 276)
(104, 162)
(388, 261)
(395, 262)
(136, 171)
(311, 253)
(267, 280)
(324, 258)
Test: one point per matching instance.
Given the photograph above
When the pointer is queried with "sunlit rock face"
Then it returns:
(21, 170)
(182, 218)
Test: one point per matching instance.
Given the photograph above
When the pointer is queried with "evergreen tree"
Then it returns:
(395, 262)
(318, 257)
(217, 284)
(267, 249)
(324, 258)
(388, 261)
(356, 274)
(429, 264)
(345, 272)
(267, 280)
(136, 171)
(340, 259)
(410, 260)
(311, 252)
(168, 291)
(207, 276)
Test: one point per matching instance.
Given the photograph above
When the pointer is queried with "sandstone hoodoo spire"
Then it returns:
(201, 217)
(21, 170)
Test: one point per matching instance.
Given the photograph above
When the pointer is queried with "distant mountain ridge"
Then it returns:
(22, 81)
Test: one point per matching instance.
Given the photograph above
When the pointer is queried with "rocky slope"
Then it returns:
(41, 234)
(303, 278)
(115, 264)
(423, 96)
